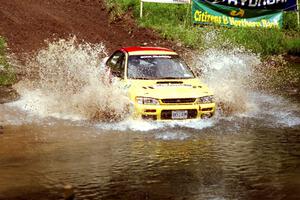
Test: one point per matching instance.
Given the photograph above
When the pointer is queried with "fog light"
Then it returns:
(149, 117)
(206, 109)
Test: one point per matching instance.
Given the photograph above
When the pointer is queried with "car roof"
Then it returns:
(137, 50)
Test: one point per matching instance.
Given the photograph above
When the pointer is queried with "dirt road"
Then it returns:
(26, 24)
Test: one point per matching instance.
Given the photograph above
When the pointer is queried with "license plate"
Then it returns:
(179, 114)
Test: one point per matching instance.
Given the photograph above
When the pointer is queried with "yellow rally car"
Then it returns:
(160, 85)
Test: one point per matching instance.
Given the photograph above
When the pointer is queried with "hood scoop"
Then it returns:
(169, 82)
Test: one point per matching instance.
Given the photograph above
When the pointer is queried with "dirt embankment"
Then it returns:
(26, 24)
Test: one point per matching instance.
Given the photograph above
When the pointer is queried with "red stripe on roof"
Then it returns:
(137, 48)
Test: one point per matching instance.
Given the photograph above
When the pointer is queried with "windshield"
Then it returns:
(157, 67)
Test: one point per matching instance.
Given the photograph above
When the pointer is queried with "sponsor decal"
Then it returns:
(172, 85)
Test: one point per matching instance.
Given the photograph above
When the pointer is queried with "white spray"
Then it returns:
(70, 83)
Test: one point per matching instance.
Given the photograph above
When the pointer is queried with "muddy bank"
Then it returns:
(292, 58)
(27, 24)
(8, 94)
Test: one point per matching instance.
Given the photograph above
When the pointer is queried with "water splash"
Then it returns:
(228, 74)
(144, 126)
(244, 85)
(67, 80)
(273, 110)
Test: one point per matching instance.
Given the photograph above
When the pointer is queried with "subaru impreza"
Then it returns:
(160, 85)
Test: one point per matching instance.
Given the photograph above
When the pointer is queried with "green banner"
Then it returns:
(209, 13)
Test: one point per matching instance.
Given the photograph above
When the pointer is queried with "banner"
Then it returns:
(286, 5)
(210, 13)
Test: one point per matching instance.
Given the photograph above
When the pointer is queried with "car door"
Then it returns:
(116, 64)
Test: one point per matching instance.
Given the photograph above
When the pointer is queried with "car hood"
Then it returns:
(166, 89)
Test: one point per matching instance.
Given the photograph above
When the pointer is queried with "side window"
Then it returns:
(116, 63)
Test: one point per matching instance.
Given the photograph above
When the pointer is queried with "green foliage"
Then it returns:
(2, 52)
(174, 22)
(264, 41)
(293, 46)
(290, 21)
(7, 75)
(118, 7)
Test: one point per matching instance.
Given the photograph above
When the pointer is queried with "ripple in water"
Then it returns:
(172, 136)
(143, 126)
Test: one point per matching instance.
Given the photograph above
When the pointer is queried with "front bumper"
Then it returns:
(164, 112)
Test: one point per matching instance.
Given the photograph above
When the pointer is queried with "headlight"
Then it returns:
(206, 99)
(146, 100)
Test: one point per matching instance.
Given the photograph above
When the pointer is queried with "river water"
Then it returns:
(249, 150)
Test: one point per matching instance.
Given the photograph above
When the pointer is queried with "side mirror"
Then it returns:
(116, 74)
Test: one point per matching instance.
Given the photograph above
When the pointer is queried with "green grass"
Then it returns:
(293, 46)
(7, 75)
(174, 22)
